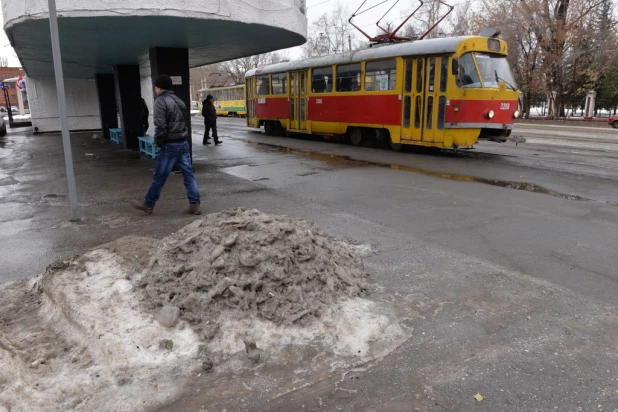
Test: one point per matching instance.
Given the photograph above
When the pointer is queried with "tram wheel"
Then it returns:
(356, 136)
(269, 128)
(395, 146)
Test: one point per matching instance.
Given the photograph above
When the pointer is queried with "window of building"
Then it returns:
(263, 85)
(381, 75)
(280, 83)
(322, 80)
(348, 77)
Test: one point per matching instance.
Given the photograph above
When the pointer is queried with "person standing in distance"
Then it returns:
(171, 134)
(210, 120)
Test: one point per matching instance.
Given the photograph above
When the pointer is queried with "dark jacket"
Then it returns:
(209, 112)
(169, 114)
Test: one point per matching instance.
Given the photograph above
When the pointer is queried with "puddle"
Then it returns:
(350, 162)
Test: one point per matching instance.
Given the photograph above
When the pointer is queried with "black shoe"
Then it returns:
(206, 142)
(217, 142)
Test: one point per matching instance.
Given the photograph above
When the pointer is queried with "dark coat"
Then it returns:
(169, 119)
(209, 112)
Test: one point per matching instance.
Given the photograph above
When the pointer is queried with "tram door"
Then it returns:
(298, 100)
(424, 99)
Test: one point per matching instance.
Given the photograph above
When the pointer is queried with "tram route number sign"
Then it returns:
(505, 106)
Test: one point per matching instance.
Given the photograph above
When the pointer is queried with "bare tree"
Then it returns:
(525, 52)
(204, 77)
(235, 70)
(331, 33)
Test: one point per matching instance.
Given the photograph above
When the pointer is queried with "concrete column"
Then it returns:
(129, 100)
(20, 101)
(590, 103)
(106, 93)
(175, 63)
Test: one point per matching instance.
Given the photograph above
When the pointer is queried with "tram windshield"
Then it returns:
(493, 70)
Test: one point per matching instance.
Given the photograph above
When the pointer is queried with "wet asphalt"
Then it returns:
(505, 253)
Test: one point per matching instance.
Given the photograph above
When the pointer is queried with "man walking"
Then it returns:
(210, 120)
(171, 134)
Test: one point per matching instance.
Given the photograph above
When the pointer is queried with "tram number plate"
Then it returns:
(505, 106)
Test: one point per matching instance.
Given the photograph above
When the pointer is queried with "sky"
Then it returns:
(315, 8)
(5, 47)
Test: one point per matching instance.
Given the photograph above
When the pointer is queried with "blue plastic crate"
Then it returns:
(147, 146)
(115, 135)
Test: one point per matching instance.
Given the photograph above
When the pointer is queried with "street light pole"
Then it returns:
(62, 108)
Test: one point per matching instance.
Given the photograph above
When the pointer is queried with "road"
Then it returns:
(502, 258)
(547, 208)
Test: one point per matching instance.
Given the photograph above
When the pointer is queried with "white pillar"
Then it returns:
(20, 101)
(590, 103)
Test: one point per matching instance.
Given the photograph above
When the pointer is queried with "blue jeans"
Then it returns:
(169, 155)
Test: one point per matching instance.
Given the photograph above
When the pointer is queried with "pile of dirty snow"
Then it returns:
(273, 268)
(129, 324)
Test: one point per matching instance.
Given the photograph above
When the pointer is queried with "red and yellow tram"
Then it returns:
(446, 92)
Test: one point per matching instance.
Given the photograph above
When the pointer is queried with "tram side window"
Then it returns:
(468, 75)
(443, 73)
(263, 85)
(408, 82)
(322, 80)
(348, 77)
(280, 83)
(381, 75)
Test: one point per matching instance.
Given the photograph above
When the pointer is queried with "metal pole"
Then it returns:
(7, 91)
(62, 108)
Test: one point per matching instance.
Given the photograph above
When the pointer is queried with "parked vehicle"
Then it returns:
(613, 121)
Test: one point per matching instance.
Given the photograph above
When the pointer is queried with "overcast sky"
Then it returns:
(366, 21)
(315, 8)
(5, 47)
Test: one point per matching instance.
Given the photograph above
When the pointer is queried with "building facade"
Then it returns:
(10, 73)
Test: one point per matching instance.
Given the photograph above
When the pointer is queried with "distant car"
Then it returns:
(613, 121)
(3, 109)
(2, 127)
(14, 109)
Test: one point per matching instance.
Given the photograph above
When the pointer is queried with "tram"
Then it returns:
(443, 92)
(229, 100)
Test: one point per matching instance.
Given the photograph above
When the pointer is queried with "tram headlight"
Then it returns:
(516, 114)
(490, 114)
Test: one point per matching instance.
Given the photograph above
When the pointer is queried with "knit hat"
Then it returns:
(163, 82)
(209, 97)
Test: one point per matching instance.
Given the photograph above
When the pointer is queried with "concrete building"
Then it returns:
(112, 49)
